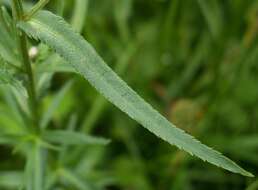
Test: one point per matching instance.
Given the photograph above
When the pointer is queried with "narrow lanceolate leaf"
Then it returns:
(79, 14)
(7, 42)
(56, 33)
(46, 118)
(74, 180)
(211, 12)
(72, 138)
(11, 179)
(7, 78)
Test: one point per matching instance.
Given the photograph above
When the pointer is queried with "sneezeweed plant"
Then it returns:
(26, 128)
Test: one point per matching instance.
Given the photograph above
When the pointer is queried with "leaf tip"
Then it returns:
(247, 174)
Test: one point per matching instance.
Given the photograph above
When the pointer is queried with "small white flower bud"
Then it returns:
(33, 52)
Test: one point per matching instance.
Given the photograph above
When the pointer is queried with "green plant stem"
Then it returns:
(36, 8)
(23, 48)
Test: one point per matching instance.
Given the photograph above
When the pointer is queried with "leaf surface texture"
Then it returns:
(57, 34)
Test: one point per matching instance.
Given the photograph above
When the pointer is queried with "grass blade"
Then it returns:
(72, 138)
(211, 12)
(71, 178)
(79, 16)
(10, 179)
(54, 105)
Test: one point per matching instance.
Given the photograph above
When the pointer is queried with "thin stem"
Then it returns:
(36, 8)
(23, 48)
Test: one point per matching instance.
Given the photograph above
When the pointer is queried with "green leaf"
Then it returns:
(72, 138)
(56, 33)
(79, 14)
(71, 124)
(54, 105)
(212, 13)
(8, 122)
(9, 139)
(51, 179)
(53, 64)
(7, 42)
(73, 179)
(8, 78)
(14, 93)
(7, 21)
(43, 84)
(122, 11)
(10, 179)
(49, 62)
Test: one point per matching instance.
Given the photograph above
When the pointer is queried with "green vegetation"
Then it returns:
(194, 61)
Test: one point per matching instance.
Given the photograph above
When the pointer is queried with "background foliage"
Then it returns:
(194, 60)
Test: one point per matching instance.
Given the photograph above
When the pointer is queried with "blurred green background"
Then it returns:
(195, 61)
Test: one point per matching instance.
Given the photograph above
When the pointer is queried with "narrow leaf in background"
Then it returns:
(72, 138)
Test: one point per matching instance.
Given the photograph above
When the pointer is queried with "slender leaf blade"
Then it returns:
(72, 138)
(8, 78)
(11, 179)
(56, 33)
(46, 118)
(79, 14)
(73, 179)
